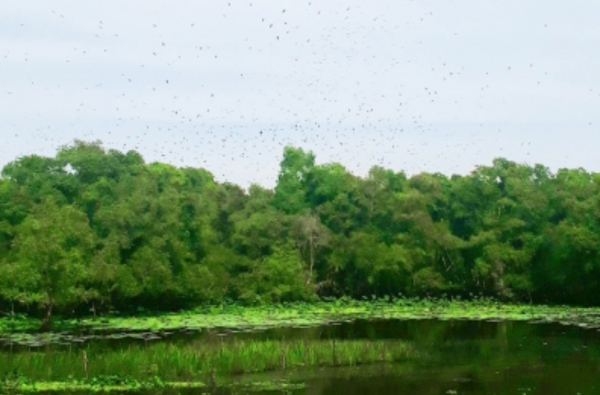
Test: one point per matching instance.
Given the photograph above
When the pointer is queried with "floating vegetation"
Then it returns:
(230, 319)
(116, 383)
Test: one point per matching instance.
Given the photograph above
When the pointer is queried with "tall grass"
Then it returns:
(200, 360)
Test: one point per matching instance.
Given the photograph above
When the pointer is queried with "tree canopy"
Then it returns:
(99, 229)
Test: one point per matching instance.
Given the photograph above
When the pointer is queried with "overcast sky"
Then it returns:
(437, 86)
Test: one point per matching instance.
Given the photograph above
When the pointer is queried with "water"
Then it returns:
(473, 358)
(467, 357)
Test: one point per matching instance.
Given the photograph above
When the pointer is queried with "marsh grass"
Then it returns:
(201, 360)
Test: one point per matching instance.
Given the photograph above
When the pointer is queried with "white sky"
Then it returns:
(409, 85)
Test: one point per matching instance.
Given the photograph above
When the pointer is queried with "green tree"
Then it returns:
(310, 236)
(331, 194)
(258, 226)
(52, 250)
(423, 231)
(277, 278)
(293, 180)
(506, 226)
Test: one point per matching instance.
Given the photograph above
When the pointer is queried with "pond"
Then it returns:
(417, 357)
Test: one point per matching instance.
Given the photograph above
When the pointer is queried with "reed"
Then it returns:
(200, 360)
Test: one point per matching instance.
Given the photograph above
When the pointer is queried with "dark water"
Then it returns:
(467, 358)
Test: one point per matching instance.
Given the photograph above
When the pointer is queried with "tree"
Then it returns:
(367, 266)
(276, 278)
(422, 230)
(310, 236)
(293, 180)
(508, 208)
(258, 226)
(38, 178)
(568, 269)
(52, 250)
(375, 197)
(331, 193)
(93, 227)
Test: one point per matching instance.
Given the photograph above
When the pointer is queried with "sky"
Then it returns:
(417, 86)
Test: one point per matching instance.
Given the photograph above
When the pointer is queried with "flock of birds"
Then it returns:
(229, 89)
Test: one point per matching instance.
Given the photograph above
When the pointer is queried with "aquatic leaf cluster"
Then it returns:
(233, 319)
(93, 231)
(123, 384)
(18, 384)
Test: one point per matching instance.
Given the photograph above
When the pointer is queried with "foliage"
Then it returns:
(94, 231)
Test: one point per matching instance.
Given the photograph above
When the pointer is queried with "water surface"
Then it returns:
(466, 357)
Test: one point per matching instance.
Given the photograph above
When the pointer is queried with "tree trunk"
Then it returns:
(47, 321)
(312, 260)
(498, 275)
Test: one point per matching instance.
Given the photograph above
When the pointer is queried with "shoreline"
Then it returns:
(319, 313)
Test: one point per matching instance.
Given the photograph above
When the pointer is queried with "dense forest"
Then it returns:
(97, 230)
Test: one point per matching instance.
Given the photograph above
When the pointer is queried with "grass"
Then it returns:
(196, 364)
(200, 360)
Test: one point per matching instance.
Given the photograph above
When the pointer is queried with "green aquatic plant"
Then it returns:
(238, 318)
(200, 360)
(117, 383)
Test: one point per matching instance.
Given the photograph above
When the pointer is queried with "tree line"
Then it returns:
(100, 229)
